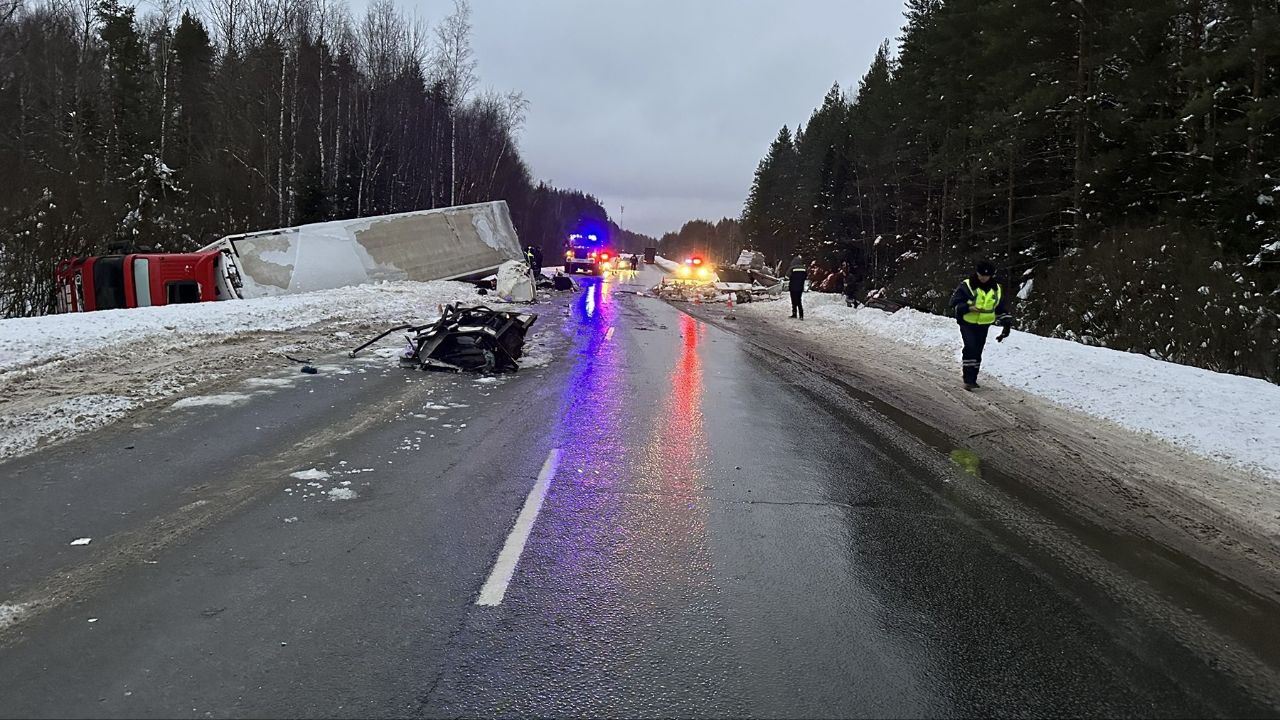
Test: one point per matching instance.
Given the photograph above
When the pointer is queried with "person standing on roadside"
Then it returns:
(979, 303)
(798, 274)
(533, 254)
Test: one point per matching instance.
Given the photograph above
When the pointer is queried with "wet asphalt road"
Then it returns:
(720, 536)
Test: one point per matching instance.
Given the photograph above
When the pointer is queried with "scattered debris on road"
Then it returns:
(738, 292)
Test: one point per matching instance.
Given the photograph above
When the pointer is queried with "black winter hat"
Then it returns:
(985, 267)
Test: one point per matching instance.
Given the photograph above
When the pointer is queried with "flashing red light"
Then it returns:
(697, 261)
(604, 256)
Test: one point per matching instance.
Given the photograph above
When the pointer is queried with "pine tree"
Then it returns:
(127, 68)
(769, 214)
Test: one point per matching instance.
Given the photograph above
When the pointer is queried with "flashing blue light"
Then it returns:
(592, 238)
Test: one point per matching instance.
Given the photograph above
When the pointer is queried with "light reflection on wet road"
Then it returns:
(613, 609)
(778, 561)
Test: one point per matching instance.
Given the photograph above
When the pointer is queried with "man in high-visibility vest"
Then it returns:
(533, 255)
(978, 304)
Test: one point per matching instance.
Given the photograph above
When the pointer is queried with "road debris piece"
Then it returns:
(733, 275)
(878, 299)
(750, 260)
(515, 282)
(465, 338)
(563, 282)
(82, 541)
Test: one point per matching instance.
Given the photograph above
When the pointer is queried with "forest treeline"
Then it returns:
(1118, 160)
(718, 242)
(169, 129)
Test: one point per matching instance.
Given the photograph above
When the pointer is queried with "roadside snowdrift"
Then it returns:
(29, 344)
(61, 375)
(1223, 417)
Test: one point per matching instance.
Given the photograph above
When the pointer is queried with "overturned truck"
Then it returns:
(443, 244)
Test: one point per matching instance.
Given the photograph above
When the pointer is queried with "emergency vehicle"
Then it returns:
(588, 253)
(694, 269)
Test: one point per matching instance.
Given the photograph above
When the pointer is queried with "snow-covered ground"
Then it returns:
(29, 344)
(1227, 418)
(61, 375)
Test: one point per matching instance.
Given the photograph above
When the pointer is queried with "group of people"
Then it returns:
(977, 303)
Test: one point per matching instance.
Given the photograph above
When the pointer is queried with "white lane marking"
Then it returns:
(495, 588)
(609, 334)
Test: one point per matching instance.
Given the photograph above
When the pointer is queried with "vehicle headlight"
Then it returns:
(702, 272)
(684, 270)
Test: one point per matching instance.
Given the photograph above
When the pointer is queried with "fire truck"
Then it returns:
(588, 253)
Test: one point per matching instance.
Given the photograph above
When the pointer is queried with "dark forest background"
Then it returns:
(1118, 160)
(169, 129)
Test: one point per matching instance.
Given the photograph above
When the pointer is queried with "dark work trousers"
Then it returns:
(975, 337)
(797, 291)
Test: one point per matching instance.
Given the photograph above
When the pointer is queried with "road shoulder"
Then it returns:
(1215, 515)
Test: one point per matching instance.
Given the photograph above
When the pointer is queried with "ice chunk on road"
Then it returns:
(205, 400)
(271, 382)
(312, 474)
(341, 493)
(12, 613)
(82, 541)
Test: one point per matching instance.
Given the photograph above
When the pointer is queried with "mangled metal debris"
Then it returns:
(465, 339)
(562, 282)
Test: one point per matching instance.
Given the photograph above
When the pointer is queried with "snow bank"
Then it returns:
(665, 264)
(27, 343)
(1224, 417)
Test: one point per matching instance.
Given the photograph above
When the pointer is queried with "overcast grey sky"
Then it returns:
(666, 106)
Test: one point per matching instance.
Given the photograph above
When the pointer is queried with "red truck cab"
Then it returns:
(138, 280)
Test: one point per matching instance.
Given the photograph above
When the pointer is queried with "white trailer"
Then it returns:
(442, 244)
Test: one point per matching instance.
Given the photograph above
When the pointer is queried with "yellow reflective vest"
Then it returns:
(986, 301)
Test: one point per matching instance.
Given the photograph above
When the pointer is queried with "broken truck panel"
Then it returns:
(515, 282)
(441, 244)
(732, 274)
(750, 260)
